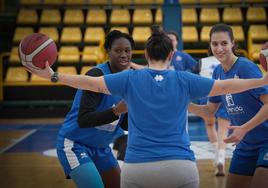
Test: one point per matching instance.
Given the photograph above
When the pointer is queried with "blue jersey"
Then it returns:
(100, 136)
(182, 62)
(241, 107)
(157, 111)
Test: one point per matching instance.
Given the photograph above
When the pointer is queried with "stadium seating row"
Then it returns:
(74, 34)
(129, 2)
(70, 54)
(140, 16)
(94, 16)
(17, 75)
(229, 15)
(140, 34)
(90, 2)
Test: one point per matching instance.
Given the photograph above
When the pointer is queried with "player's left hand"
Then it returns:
(237, 135)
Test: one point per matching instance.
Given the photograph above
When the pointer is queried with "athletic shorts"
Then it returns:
(221, 113)
(72, 155)
(243, 165)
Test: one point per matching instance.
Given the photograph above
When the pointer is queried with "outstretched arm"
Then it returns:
(205, 111)
(222, 87)
(96, 84)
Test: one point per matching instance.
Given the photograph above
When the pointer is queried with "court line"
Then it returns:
(17, 141)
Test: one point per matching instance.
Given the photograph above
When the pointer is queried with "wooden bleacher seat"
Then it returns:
(189, 34)
(121, 2)
(30, 2)
(50, 16)
(141, 34)
(98, 2)
(238, 33)
(204, 36)
(16, 74)
(53, 2)
(142, 16)
(158, 16)
(35, 78)
(189, 16)
(256, 14)
(94, 35)
(14, 55)
(92, 54)
(209, 15)
(51, 32)
(84, 69)
(69, 54)
(185, 2)
(209, 1)
(143, 2)
(231, 1)
(254, 51)
(258, 32)
(256, 1)
(120, 16)
(122, 29)
(27, 16)
(21, 32)
(73, 17)
(232, 15)
(71, 35)
(96, 16)
(67, 69)
(75, 2)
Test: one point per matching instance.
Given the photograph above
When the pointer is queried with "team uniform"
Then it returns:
(77, 146)
(157, 117)
(183, 62)
(252, 151)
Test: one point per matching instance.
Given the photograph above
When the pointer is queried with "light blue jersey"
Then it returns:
(157, 111)
(182, 62)
(97, 137)
(243, 106)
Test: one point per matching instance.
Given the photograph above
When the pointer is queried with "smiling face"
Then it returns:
(222, 46)
(120, 54)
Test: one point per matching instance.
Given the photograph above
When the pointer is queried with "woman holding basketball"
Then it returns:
(158, 150)
(247, 112)
(85, 153)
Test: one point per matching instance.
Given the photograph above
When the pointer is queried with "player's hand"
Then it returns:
(237, 135)
(136, 66)
(120, 108)
(44, 73)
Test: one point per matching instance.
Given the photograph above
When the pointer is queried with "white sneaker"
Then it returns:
(220, 171)
(220, 168)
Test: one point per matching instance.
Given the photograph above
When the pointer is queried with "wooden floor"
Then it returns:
(33, 169)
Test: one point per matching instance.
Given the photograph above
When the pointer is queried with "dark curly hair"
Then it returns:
(115, 34)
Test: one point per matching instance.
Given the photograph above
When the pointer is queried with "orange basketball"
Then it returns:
(36, 49)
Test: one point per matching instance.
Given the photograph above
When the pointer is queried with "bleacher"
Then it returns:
(79, 27)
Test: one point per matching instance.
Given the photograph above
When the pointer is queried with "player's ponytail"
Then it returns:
(159, 45)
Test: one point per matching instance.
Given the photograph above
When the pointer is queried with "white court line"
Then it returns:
(17, 141)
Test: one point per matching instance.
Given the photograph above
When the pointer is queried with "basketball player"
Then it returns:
(93, 123)
(246, 110)
(181, 61)
(158, 151)
(217, 135)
